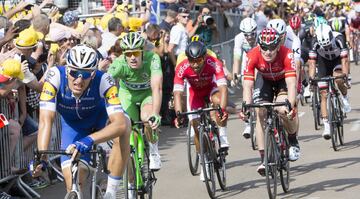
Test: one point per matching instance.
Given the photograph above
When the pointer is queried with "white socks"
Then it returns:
(113, 184)
(222, 130)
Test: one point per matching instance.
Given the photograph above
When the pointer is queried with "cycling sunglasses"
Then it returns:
(135, 53)
(270, 48)
(252, 34)
(197, 60)
(80, 73)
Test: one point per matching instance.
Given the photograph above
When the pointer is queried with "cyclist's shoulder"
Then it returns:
(151, 57)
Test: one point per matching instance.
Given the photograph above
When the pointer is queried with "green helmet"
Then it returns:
(336, 25)
(132, 41)
(318, 21)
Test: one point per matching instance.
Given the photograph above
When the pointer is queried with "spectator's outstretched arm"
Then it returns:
(146, 12)
(22, 104)
(18, 8)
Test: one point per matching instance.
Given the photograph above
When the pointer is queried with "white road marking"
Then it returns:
(355, 126)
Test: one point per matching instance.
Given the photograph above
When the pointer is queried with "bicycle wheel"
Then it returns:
(270, 163)
(100, 188)
(206, 154)
(315, 108)
(130, 190)
(252, 121)
(193, 156)
(72, 195)
(340, 125)
(284, 162)
(148, 176)
(220, 166)
(332, 122)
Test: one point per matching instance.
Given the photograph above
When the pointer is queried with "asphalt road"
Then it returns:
(319, 173)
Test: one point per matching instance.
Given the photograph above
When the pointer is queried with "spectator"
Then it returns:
(179, 35)
(60, 43)
(260, 17)
(109, 38)
(71, 18)
(170, 19)
(204, 26)
(153, 35)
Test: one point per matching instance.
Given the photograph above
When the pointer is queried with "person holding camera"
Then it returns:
(204, 26)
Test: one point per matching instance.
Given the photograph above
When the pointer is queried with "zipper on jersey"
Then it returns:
(77, 101)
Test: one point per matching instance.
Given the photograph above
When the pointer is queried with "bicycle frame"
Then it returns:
(137, 145)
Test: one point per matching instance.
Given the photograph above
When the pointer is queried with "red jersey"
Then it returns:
(355, 22)
(283, 66)
(212, 70)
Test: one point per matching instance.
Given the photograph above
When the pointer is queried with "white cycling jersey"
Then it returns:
(293, 42)
(241, 47)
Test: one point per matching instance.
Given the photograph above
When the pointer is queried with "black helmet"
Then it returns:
(195, 49)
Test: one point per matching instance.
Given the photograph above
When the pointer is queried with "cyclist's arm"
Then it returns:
(119, 121)
(312, 59)
(237, 54)
(221, 83)
(249, 77)
(179, 87)
(340, 41)
(115, 68)
(290, 77)
(156, 83)
(48, 108)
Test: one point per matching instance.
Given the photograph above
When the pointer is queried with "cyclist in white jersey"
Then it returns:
(243, 42)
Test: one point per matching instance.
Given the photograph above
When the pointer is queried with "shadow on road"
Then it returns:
(335, 185)
(236, 189)
(308, 138)
(237, 163)
(338, 163)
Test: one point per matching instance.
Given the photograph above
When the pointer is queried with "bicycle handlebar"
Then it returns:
(328, 78)
(267, 105)
(99, 150)
(200, 111)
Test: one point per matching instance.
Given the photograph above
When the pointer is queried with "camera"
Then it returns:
(143, 3)
(208, 19)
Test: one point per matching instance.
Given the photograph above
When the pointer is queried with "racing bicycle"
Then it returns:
(213, 158)
(276, 157)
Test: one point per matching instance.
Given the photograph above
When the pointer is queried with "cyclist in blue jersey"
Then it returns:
(86, 99)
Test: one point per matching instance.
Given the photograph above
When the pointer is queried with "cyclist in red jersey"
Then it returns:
(205, 79)
(275, 81)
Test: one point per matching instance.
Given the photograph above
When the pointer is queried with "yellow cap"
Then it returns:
(135, 23)
(11, 68)
(121, 8)
(105, 20)
(28, 38)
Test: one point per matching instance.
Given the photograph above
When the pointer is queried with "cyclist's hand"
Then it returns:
(36, 169)
(292, 114)
(223, 115)
(232, 83)
(155, 121)
(243, 116)
(84, 145)
(178, 121)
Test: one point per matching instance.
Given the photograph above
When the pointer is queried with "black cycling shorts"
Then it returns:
(327, 67)
(265, 90)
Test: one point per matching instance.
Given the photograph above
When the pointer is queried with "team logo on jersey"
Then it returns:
(155, 63)
(48, 92)
(145, 76)
(111, 95)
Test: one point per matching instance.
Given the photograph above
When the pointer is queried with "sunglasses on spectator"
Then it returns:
(270, 48)
(197, 60)
(80, 73)
(135, 53)
(185, 16)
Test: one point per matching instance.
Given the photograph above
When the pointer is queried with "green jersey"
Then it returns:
(136, 79)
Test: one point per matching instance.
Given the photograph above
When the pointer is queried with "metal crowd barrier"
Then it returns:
(20, 158)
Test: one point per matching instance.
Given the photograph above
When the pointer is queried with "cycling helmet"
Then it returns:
(195, 50)
(318, 21)
(269, 37)
(82, 57)
(295, 22)
(132, 41)
(324, 35)
(278, 24)
(248, 25)
(336, 24)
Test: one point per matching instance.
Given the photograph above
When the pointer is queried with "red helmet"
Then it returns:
(269, 37)
(295, 22)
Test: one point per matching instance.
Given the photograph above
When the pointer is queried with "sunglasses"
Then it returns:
(252, 34)
(185, 16)
(198, 60)
(270, 48)
(80, 73)
(135, 53)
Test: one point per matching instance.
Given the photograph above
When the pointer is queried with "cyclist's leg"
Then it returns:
(216, 100)
(263, 92)
(343, 87)
(69, 135)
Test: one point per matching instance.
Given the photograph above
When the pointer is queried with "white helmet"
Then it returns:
(82, 57)
(248, 25)
(278, 24)
(324, 35)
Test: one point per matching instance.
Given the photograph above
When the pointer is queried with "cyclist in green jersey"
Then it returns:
(140, 80)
